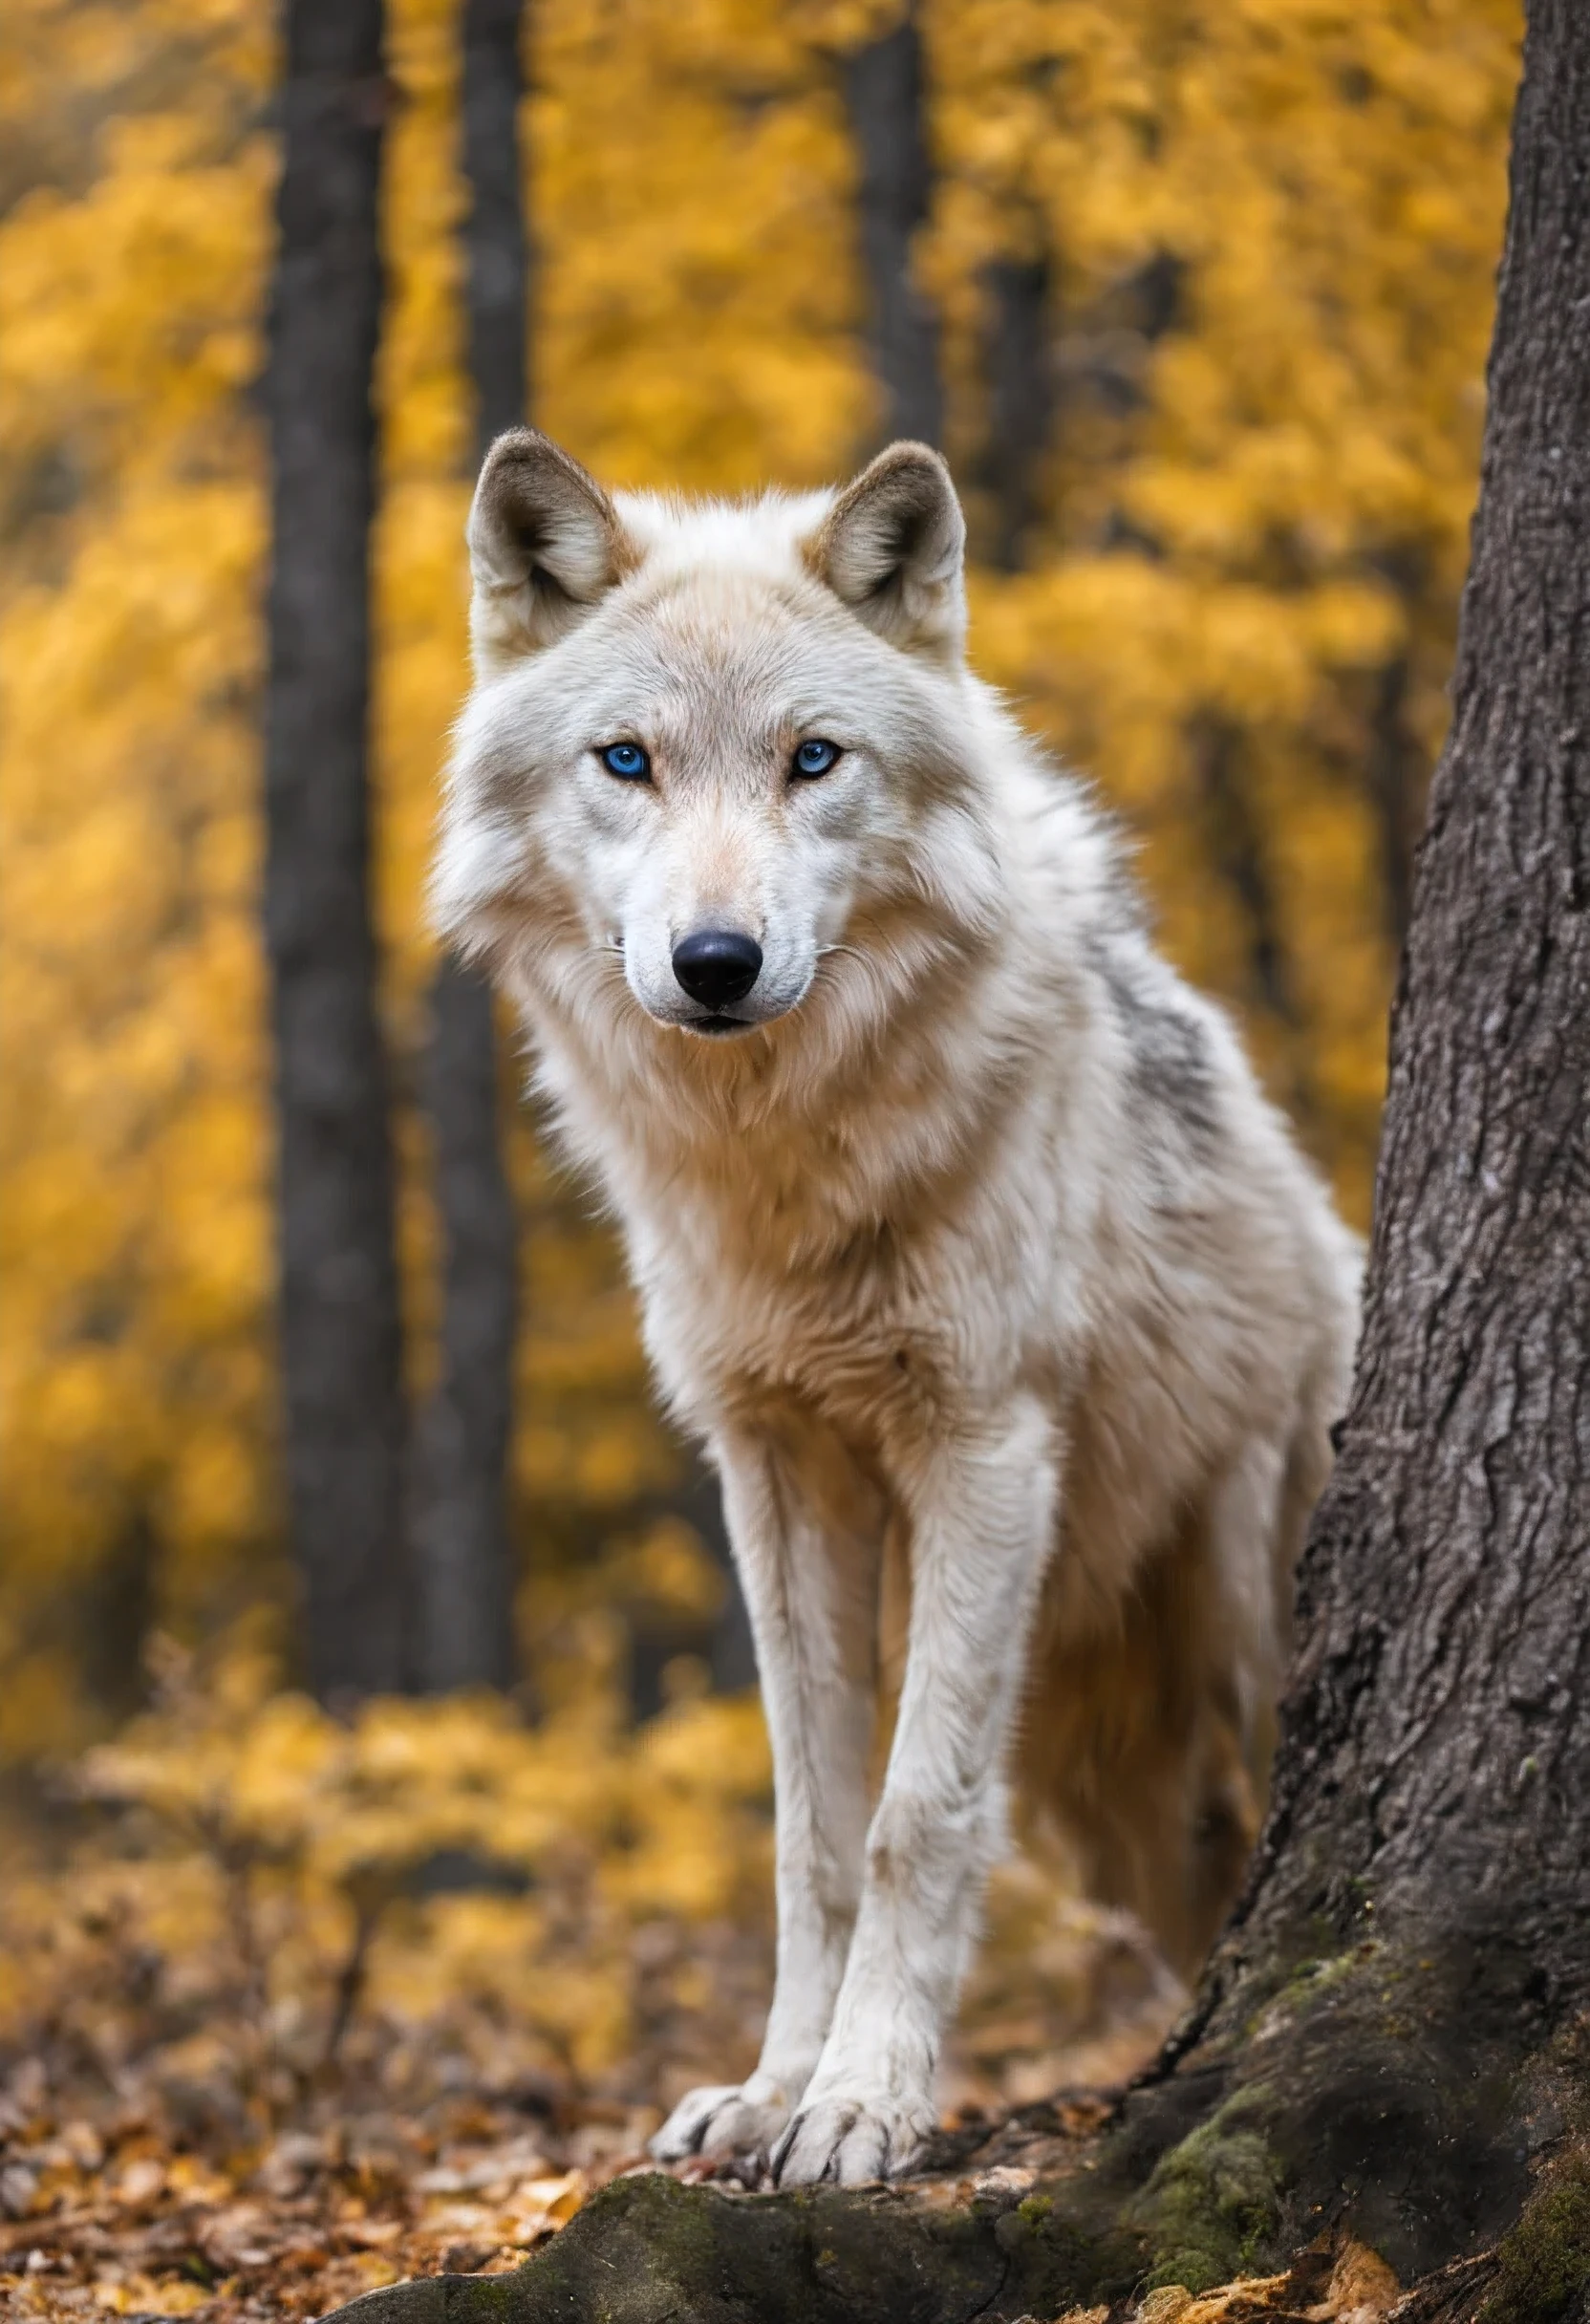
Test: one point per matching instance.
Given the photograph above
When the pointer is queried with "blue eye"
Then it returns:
(814, 758)
(627, 761)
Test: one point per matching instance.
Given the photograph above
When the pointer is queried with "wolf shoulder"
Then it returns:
(1158, 1100)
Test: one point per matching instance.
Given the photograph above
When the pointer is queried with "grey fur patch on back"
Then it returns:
(1171, 1068)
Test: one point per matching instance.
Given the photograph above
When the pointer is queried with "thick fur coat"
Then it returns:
(964, 1238)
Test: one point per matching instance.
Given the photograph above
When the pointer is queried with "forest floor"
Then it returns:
(291, 2011)
(149, 2177)
(122, 2206)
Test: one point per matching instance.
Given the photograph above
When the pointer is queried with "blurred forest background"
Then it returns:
(1196, 294)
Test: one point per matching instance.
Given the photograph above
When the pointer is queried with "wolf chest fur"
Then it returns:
(964, 1238)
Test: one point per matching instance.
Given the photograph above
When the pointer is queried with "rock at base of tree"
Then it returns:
(1367, 2146)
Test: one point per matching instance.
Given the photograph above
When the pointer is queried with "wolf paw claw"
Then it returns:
(721, 2122)
(850, 2140)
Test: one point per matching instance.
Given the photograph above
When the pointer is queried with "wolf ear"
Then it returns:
(891, 547)
(545, 544)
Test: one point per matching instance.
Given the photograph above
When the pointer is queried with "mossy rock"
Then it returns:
(1544, 2266)
(1382, 2111)
(1214, 2202)
(648, 2251)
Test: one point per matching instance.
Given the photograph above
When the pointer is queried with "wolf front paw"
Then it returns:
(721, 2122)
(851, 2137)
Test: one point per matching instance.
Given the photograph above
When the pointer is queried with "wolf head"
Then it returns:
(716, 762)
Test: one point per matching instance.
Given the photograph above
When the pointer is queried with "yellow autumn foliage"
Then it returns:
(265, 1911)
(1238, 603)
(261, 1823)
(1280, 523)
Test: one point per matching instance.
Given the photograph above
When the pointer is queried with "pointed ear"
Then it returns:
(893, 548)
(545, 544)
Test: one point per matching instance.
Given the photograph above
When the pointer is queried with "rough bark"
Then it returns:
(1437, 1764)
(1396, 793)
(1413, 1948)
(885, 92)
(338, 1290)
(1395, 1991)
(1389, 2042)
(464, 1561)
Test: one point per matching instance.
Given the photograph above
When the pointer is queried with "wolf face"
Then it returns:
(718, 870)
(706, 739)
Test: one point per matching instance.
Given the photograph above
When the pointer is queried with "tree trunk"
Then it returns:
(339, 1314)
(1395, 793)
(464, 1562)
(1434, 1795)
(496, 239)
(885, 93)
(1389, 2040)
(1020, 401)
(1236, 843)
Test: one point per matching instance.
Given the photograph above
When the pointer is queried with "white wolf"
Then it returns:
(1001, 1300)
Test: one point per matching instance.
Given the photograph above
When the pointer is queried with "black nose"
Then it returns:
(717, 965)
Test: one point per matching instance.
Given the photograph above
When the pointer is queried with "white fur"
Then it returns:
(979, 1247)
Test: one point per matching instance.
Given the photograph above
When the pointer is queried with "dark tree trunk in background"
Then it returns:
(886, 94)
(1391, 2040)
(1020, 401)
(726, 1646)
(339, 1312)
(463, 1564)
(1236, 843)
(497, 242)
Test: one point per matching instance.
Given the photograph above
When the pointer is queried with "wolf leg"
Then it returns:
(807, 1557)
(982, 1508)
(1145, 1738)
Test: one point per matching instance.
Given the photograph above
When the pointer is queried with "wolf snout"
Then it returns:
(717, 966)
